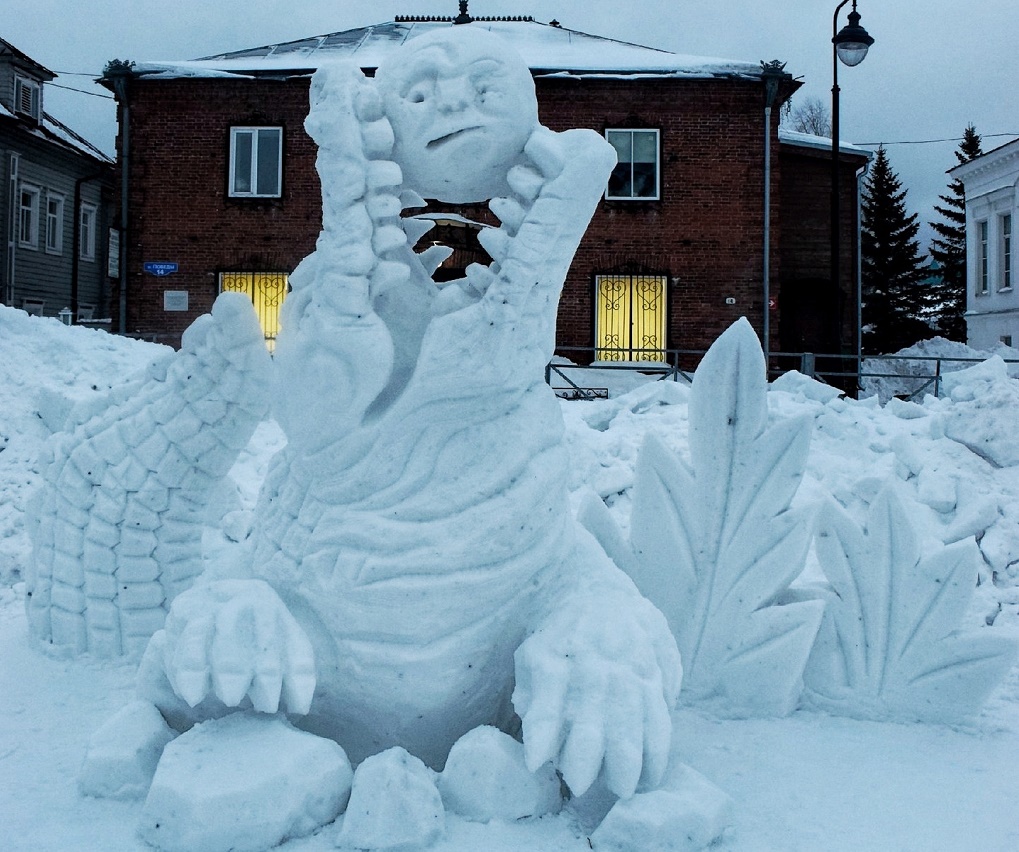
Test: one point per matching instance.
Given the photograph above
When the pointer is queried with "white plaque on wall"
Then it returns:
(175, 300)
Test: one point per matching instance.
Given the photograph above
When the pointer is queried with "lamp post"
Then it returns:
(849, 46)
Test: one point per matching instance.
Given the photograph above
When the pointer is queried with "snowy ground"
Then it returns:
(806, 782)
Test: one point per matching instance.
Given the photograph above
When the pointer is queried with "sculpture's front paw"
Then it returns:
(594, 689)
(236, 638)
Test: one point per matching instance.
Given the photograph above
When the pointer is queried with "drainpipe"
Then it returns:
(76, 241)
(118, 73)
(771, 74)
(12, 220)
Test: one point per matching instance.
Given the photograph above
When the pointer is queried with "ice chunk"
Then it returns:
(485, 778)
(244, 782)
(394, 804)
(122, 755)
(687, 814)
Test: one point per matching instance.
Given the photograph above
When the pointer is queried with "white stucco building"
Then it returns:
(992, 208)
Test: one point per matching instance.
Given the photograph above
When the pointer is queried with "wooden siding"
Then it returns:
(39, 274)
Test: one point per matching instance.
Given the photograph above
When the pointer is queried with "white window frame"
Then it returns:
(983, 259)
(658, 164)
(1006, 273)
(28, 216)
(23, 86)
(88, 216)
(244, 183)
(54, 223)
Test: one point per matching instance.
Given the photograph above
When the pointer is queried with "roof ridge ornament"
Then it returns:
(464, 16)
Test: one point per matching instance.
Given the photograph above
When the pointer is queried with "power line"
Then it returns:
(932, 141)
(82, 91)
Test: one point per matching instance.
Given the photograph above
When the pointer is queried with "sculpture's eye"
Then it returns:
(416, 94)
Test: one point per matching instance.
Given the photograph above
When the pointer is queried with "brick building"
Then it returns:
(223, 193)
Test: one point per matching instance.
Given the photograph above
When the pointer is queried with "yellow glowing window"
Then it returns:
(267, 291)
(630, 317)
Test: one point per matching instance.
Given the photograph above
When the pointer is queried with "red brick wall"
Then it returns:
(180, 212)
(705, 233)
(805, 197)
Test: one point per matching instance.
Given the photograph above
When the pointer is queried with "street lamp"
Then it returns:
(850, 46)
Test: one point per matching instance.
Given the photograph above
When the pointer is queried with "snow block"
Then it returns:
(485, 778)
(122, 755)
(687, 814)
(394, 804)
(244, 782)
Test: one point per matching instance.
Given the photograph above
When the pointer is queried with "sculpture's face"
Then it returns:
(461, 105)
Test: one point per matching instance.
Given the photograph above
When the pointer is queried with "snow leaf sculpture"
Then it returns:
(716, 547)
(890, 646)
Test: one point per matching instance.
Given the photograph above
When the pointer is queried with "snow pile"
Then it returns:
(46, 369)
(821, 764)
(911, 372)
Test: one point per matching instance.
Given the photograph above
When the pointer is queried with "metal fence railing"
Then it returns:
(905, 376)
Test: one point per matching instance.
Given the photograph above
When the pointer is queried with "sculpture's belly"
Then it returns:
(417, 575)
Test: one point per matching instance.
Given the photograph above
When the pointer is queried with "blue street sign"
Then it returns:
(159, 267)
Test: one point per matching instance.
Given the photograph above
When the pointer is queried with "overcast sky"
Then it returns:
(936, 65)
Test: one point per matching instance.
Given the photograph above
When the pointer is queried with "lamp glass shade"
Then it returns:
(852, 52)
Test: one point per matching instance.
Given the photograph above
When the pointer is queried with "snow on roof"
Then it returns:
(6, 113)
(546, 48)
(809, 140)
(63, 134)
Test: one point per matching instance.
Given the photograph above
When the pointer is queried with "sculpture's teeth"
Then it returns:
(415, 228)
(433, 257)
(410, 199)
(495, 241)
(509, 212)
(480, 277)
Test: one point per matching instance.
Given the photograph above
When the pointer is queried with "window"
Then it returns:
(630, 317)
(87, 232)
(1006, 252)
(54, 223)
(267, 291)
(256, 162)
(28, 218)
(635, 176)
(1006, 339)
(982, 260)
(27, 98)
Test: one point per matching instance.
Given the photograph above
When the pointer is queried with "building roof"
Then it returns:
(548, 50)
(24, 59)
(1003, 154)
(820, 143)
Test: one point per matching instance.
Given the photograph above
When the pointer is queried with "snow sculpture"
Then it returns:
(426, 574)
(116, 527)
(890, 646)
(716, 547)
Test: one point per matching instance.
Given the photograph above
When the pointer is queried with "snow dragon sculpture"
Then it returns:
(417, 569)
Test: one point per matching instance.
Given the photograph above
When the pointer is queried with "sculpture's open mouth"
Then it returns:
(449, 137)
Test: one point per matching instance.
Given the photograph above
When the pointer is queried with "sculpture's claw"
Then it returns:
(237, 639)
(584, 749)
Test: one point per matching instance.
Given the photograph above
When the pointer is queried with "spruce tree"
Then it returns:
(894, 297)
(948, 248)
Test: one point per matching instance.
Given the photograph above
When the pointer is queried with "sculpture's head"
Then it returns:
(462, 105)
